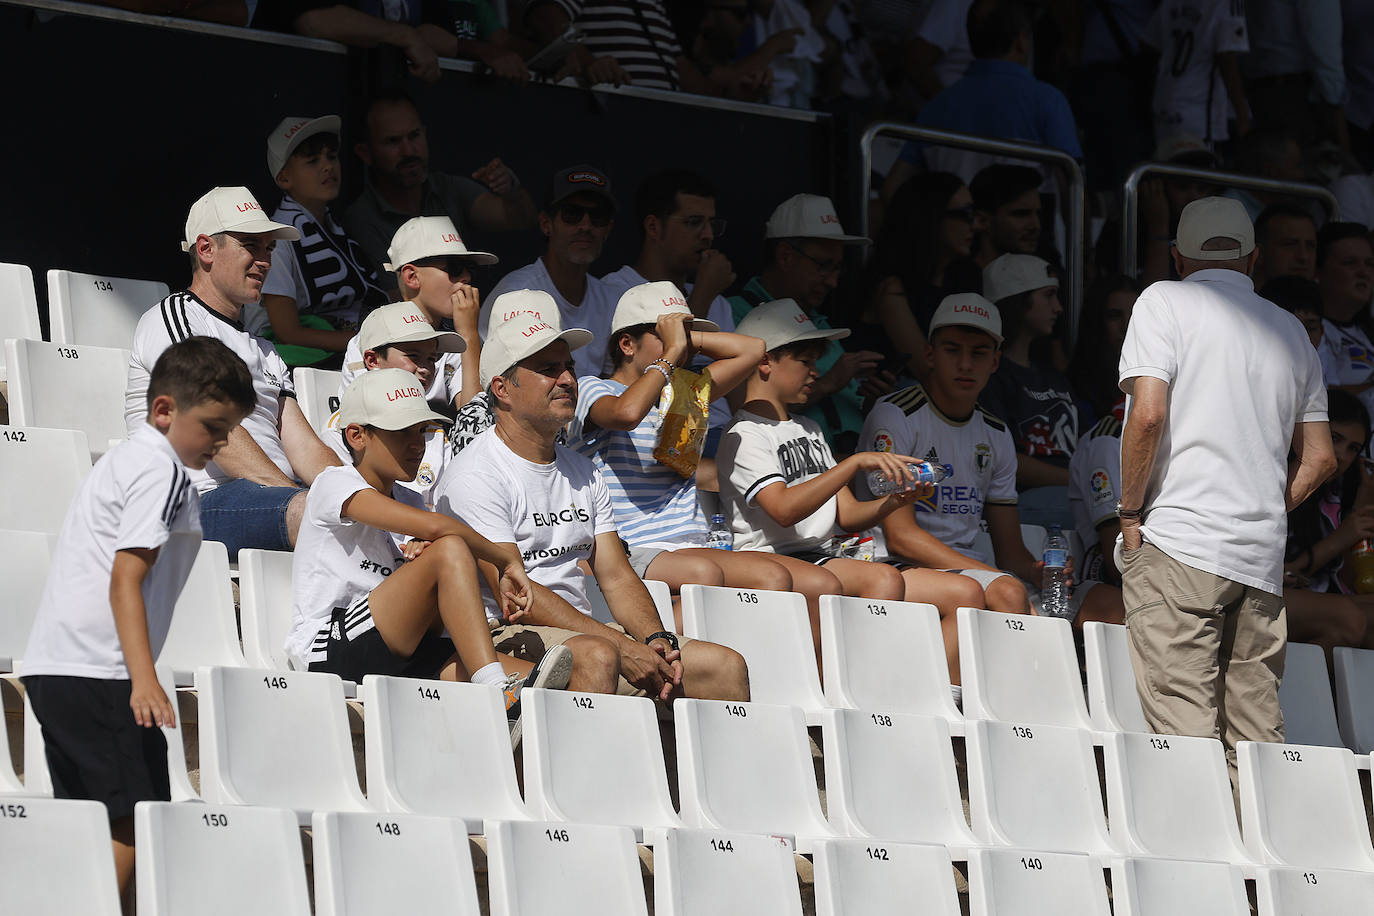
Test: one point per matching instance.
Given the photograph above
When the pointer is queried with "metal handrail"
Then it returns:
(1130, 199)
(1073, 256)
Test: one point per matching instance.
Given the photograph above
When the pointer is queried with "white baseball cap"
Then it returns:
(430, 237)
(1016, 273)
(808, 216)
(532, 323)
(643, 304)
(782, 322)
(291, 133)
(1214, 218)
(232, 210)
(968, 310)
(386, 399)
(403, 322)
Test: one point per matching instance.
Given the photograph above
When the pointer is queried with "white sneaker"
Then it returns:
(551, 672)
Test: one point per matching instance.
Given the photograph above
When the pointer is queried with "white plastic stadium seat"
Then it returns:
(1309, 709)
(1025, 882)
(442, 748)
(265, 599)
(710, 872)
(384, 864)
(878, 878)
(96, 310)
(772, 630)
(277, 738)
(215, 860)
(1171, 887)
(659, 591)
(535, 868)
(55, 858)
(1112, 695)
(892, 775)
(747, 767)
(204, 630)
(24, 559)
(1020, 668)
(1313, 891)
(40, 470)
(596, 759)
(885, 655)
(68, 387)
(1355, 696)
(18, 306)
(10, 783)
(1302, 805)
(317, 390)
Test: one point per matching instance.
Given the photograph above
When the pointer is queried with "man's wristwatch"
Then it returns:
(670, 638)
(1122, 512)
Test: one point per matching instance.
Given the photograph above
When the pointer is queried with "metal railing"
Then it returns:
(1130, 199)
(1075, 231)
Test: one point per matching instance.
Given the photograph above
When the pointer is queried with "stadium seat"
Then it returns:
(1035, 786)
(659, 591)
(204, 630)
(1171, 887)
(24, 559)
(1302, 805)
(711, 872)
(1020, 668)
(1025, 882)
(385, 864)
(92, 310)
(1355, 696)
(60, 386)
(747, 767)
(265, 600)
(55, 858)
(1112, 696)
(276, 738)
(317, 390)
(441, 748)
(535, 868)
(1309, 710)
(61, 458)
(1170, 796)
(214, 860)
(887, 655)
(10, 783)
(18, 306)
(878, 878)
(892, 775)
(1313, 891)
(772, 630)
(596, 759)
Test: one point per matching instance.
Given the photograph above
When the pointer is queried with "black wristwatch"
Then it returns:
(670, 638)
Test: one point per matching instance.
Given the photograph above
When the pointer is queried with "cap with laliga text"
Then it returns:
(643, 304)
(968, 310)
(291, 133)
(578, 179)
(808, 216)
(430, 237)
(1011, 274)
(403, 322)
(1215, 218)
(781, 322)
(523, 322)
(232, 210)
(386, 399)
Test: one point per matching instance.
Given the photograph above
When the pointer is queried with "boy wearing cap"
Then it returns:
(251, 493)
(115, 578)
(320, 286)
(365, 606)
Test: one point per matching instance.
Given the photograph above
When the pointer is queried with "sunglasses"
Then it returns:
(454, 267)
(572, 214)
(963, 213)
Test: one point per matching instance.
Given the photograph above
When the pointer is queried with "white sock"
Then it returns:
(958, 693)
(490, 674)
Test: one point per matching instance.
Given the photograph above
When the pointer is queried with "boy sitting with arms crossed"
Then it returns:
(107, 604)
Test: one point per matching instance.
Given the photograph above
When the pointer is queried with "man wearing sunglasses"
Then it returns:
(576, 219)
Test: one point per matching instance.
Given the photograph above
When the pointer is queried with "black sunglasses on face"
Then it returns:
(572, 214)
(454, 267)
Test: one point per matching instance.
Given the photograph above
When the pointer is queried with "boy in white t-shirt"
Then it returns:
(107, 604)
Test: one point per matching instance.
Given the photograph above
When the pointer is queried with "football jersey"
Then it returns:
(1190, 99)
(1095, 478)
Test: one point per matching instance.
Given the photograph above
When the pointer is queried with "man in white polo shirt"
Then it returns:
(1221, 383)
(252, 494)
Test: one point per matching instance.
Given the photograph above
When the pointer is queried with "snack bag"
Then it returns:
(682, 432)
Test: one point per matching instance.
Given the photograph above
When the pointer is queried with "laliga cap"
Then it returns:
(643, 304)
(232, 210)
(1015, 273)
(403, 322)
(1215, 218)
(808, 216)
(386, 399)
(530, 325)
(782, 322)
(577, 179)
(430, 237)
(968, 310)
(291, 133)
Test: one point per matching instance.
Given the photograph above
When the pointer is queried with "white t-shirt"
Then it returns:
(182, 315)
(1347, 358)
(552, 512)
(979, 449)
(135, 497)
(446, 385)
(1095, 478)
(436, 456)
(594, 313)
(338, 561)
(756, 452)
(946, 27)
(1242, 374)
(1190, 98)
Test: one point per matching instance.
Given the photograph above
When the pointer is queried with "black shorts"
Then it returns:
(95, 749)
(367, 653)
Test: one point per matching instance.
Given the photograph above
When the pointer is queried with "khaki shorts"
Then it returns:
(529, 642)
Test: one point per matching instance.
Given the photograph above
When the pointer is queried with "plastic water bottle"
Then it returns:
(720, 537)
(1054, 590)
(1362, 559)
(925, 472)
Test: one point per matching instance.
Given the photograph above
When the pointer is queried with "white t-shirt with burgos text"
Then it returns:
(551, 512)
(446, 385)
(756, 452)
(1095, 479)
(1242, 374)
(979, 449)
(136, 497)
(338, 561)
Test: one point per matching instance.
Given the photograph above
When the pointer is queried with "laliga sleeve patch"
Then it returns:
(1100, 482)
(882, 441)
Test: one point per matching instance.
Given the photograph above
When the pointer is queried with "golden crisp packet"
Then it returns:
(682, 433)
